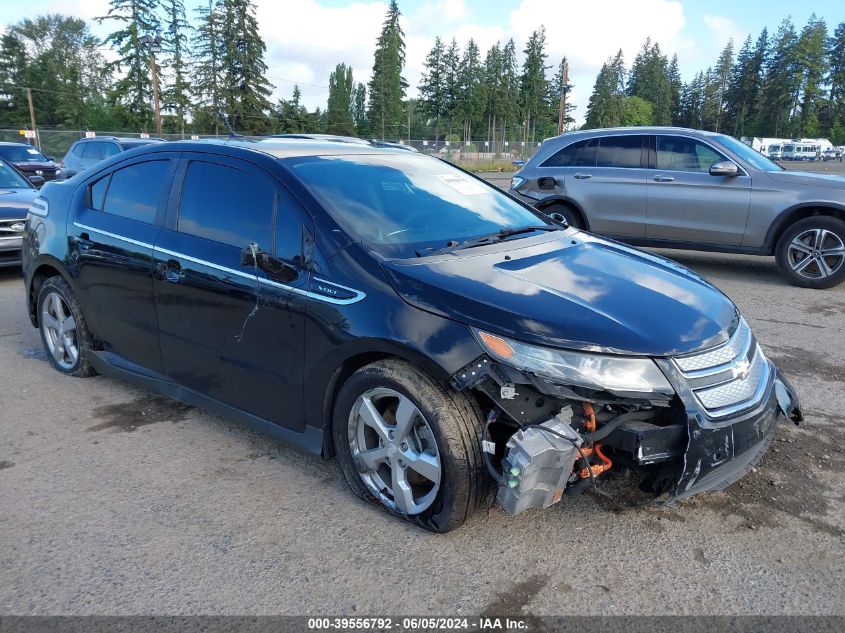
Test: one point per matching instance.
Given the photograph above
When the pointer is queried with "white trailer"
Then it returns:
(765, 145)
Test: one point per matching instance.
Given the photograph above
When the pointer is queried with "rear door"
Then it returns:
(607, 177)
(228, 330)
(93, 153)
(116, 222)
(686, 203)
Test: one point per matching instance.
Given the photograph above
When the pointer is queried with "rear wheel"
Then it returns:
(812, 252)
(569, 213)
(410, 445)
(63, 329)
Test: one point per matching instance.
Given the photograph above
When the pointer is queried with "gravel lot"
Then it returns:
(114, 501)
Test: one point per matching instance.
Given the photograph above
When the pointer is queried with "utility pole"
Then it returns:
(32, 117)
(153, 45)
(565, 87)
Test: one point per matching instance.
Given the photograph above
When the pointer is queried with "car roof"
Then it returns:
(16, 143)
(277, 147)
(121, 139)
(651, 129)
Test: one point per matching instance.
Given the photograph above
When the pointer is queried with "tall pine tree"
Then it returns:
(176, 93)
(387, 86)
(339, 109)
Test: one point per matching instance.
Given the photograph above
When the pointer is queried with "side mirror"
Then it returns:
(52, 159)
(724, 168)
(38, 181)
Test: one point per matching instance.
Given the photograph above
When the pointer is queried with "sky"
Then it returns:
(307, 38)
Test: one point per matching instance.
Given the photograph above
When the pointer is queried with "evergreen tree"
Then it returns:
(432, 101)
(835, 119)
(473, 92)
(207, 69)
(649, 79)
(387, 86)
(675, 86)
(176, 92)
(133, 88)
(451, 87)
(290, 115)
(781, 84)
(339, 111)
(509, 93)
(245, 90)
(812, 62)
(533, 85)
(720, 80)
(359, 109)
(606, 107)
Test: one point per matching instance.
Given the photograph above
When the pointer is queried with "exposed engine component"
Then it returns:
(538, 464)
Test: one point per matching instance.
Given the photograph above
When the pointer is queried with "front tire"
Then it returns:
(63, 329)
(811, 252)
(410, 445)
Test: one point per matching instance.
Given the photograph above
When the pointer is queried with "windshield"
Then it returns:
(747, 154)
(21, 154)
(402, 204)
(11, 179)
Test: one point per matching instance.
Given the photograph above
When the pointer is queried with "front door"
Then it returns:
(687, 204)
(115, 225)
(229, 330)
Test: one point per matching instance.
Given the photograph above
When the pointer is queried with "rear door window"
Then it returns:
(135, 191)
(679, 153)
(620, 151)
(111, 149)
(94, 150)
(78, 149)
(578, 154)
(227, 205)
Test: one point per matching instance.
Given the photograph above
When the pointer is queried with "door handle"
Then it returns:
(583, 176)
(173, 271)
(662, 178)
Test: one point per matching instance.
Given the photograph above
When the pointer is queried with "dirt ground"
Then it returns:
(115, 501)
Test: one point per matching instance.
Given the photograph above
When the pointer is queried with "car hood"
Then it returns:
(809, 178)
(571, 290)
(14, 203)
(33, 165)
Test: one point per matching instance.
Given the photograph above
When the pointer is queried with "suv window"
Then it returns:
(134, 191)
(94, 150)
(620, 151)
(110, 149)
(78, 149)
(578, 154)
(225, 204)
(678, 153)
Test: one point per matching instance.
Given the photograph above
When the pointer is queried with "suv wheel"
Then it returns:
(812, 252)
(410, 445)
(569, 214)
(63, 329)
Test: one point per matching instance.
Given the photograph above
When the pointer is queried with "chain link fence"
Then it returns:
(478, 155)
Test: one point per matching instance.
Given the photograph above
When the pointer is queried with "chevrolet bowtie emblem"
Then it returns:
(741, 369)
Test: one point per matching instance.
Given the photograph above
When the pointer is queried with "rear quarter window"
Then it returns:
(578, 154)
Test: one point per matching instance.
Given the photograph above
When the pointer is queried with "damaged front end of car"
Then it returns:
(560, 420)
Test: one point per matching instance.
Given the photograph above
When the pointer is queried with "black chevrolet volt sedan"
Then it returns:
(447, 342)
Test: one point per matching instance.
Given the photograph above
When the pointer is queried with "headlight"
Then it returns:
(593, 371)
(516, 182)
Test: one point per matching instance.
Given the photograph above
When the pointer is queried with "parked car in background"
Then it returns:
(678, 188)
(87, 152)
(30, 162)
(830, 154)
(16, 195)
(437, 335)
(776, 152)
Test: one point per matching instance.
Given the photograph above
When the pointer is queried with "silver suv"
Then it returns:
(679, 188)
(87, 152)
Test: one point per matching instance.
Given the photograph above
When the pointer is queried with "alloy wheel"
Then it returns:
(394, 450)
(816, 253)
(59, 330)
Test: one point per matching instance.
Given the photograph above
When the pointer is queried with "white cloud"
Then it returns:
(724, 29)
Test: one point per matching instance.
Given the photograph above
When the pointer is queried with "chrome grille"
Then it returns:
(729, 378)
(7, 232)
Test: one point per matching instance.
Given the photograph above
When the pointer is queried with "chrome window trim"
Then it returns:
(359, 295)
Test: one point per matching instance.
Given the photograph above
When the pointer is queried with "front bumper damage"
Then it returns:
(681, 447)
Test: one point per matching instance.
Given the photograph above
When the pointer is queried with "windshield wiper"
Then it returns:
(490, 238)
